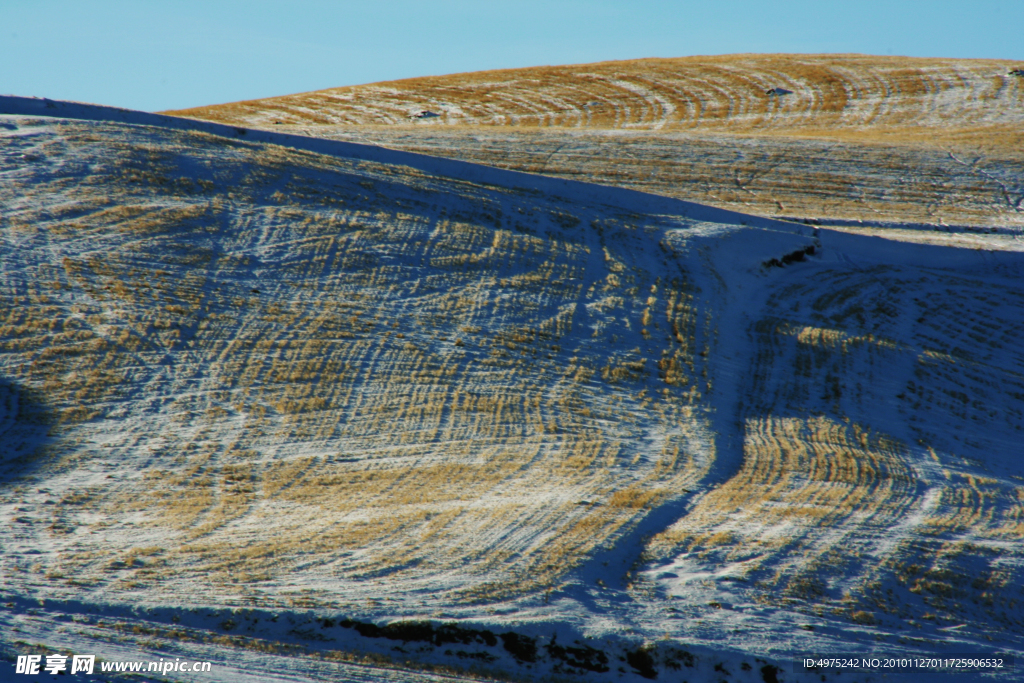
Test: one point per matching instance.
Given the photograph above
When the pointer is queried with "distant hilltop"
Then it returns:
(731, 93)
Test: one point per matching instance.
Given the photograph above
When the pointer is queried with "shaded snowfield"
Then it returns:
(260, 385)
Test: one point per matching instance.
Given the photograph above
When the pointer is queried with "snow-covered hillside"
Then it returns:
(316, 410)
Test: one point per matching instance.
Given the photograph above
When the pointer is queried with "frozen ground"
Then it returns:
(321, 411)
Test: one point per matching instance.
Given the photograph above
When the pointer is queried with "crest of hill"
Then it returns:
(794, 94)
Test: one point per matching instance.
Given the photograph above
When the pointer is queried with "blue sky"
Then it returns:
(164, 54)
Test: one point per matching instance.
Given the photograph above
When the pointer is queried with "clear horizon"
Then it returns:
(154, 57)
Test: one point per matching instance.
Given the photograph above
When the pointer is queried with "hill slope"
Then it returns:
(922, 143)
(333, 390)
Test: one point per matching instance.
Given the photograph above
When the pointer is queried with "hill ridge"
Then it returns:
(662, 94)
